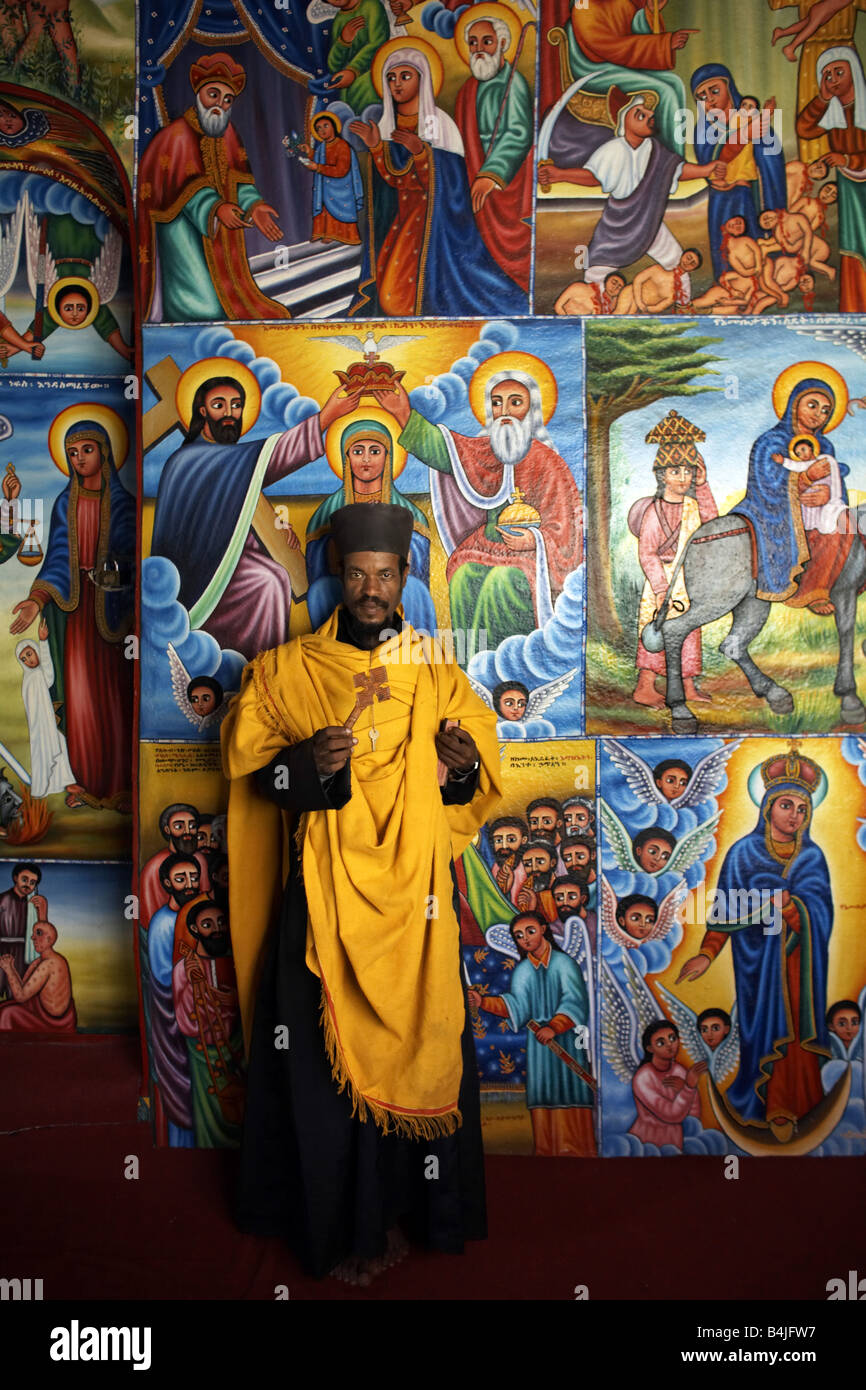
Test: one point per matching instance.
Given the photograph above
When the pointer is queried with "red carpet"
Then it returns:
(628, 1229)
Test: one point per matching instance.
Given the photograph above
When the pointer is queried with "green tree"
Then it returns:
(630, 363)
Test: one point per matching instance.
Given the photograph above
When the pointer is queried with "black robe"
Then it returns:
(310, 1172)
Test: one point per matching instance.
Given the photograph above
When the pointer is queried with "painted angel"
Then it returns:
(73, 272)
(672, 781)
(548, 996)
(572, 938)
(513, 703)
(200, 698)
(656, 850)
(712, 1036)
(632, 920)
(641, 1047)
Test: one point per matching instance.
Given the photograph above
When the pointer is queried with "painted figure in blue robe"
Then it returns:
(775, 903)
(424, 254)
(338, 189)
(367, 454)
(805, 404)
(548, 988)
(748, 161)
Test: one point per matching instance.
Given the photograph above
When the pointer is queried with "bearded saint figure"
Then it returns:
(505, 503)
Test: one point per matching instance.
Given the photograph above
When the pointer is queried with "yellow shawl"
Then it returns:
(381, 932)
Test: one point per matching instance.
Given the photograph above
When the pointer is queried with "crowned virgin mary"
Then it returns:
(775, 903)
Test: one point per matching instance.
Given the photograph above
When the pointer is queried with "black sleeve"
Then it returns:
(462, 792)
(291, 779)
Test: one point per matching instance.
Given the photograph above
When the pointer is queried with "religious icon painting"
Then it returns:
(708, 169)
(392, 178)
(191, 1042)
(732, 975)
(475, 428)
(67, 583)
(65, 212)
(725, 527)
(528, 909)
(65, 963)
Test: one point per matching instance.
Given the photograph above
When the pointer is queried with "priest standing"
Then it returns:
(363, 1120)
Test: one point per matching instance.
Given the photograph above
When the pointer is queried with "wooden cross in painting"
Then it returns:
(372, 685)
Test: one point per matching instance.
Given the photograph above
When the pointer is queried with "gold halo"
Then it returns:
(326, 116)
(335, 433)
(69, 282)
(789, 379)
(437, 72)
(101, 415)
(193, 377)
(518, 362)
(488, 9)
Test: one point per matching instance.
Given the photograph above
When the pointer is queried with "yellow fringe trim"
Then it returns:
(406, 1126)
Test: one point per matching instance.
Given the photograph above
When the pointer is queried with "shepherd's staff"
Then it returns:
(39, 315)
(517, 52)
(563, 1056)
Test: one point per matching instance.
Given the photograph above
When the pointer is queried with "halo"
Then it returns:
(437, 72)
(101, 415)
(518, 362)
(757, 790)
(488, 9)
(791, 377)
(71, 282)
(328, 116)
(193, 377)
(335, 434)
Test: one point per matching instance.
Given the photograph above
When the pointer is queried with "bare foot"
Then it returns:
(692, 693)
(354, 1271)
(73, 797)
(790, 50)
(645, 692)
(777, 34)
(822, 607)
(396, 1250)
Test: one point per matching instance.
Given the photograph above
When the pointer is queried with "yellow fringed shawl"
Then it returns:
(381, 933)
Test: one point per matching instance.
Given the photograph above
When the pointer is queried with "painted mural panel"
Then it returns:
(732, 971)
(700, 159)
(528, 914)
(345, 160)
(726, 550)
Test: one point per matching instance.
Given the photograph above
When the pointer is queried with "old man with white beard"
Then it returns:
(507, 508)
(196, 196)
(494, 115)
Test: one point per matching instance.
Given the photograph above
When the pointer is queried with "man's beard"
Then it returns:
(184, 895)
(485, 65)
(184, 844)
(504, 856)
(366, 631)
(216, 945)
(225, 430)
(510, 439)
(542, 880)
(212, 120)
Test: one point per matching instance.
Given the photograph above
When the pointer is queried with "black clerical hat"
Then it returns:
(372, 526)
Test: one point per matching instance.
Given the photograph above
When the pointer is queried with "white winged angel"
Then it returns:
(200, 698)
(641, 1046)
(672, 781)
(655, 850)
(712, 1036)
(514, 703)
(632, 920)
(573, 939)
(75, 273)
